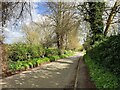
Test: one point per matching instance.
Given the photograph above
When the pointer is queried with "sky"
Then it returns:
(40, 8)
(14, 34)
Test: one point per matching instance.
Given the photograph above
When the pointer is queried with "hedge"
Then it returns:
(105, 60)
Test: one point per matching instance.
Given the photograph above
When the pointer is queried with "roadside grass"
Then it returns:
(103, 61)
(101, 77)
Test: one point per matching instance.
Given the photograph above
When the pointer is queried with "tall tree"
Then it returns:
(93, 12)
(64, 20)
(10, 10)
(40, 33)
(111, 16)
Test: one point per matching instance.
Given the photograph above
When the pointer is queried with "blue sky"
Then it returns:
(41, 8)
(14, 34)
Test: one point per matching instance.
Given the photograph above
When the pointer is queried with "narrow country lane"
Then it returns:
(58, 74)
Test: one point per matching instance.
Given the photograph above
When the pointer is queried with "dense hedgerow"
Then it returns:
(105, 57)
(23, 52)
(100, 76)
(51, 52)
(24, 56)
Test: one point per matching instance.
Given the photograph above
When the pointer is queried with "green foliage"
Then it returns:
(27, 64)
(105, 56)
(108, 54)
(21, 65)
(95, 16)
(23, 52)
(101, 77)
(67, 53)
(56, 57)
(36, 51)
(23, 56)
(51, 51)
(51, 58)
(46, 59)
(63, 56)
(87, 43)
(81, 48)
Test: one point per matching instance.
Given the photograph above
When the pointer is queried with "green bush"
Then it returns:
(16, 65)
(51, 52)
(107, 53)
(38, 61)
(12, 66)
(51, 58)
(36, 51)
(106, 57)
(62, 56)
(69, 53)
(101, 77)
(46, 59)
(80, 48)
(23, 56)
(30, 64)
(56, 57)
(23, 52)
(27, 64)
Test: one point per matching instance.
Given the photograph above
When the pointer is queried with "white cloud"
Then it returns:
(35, 16)
(13, 36)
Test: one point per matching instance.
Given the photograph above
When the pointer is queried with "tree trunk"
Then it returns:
(61, 44)
(3, 58)
(110, 18)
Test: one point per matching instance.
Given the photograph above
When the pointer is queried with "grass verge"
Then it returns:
(101, 77)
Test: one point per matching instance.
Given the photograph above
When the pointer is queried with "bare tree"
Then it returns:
(65, 18)
(39, 32)
(114, 10)
(10, 10)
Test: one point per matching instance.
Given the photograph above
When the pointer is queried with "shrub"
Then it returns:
(12, 66)
(46, 59)
(80, 48)
(50, 52)
(23, 52)
(101, 77)
(23, 56)
(36, 51)
(106, 56)
(56, 57)
(30, 64)
(38, 61)
(26, 65)
(22, 65)
(62, 56)
(51, 58)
